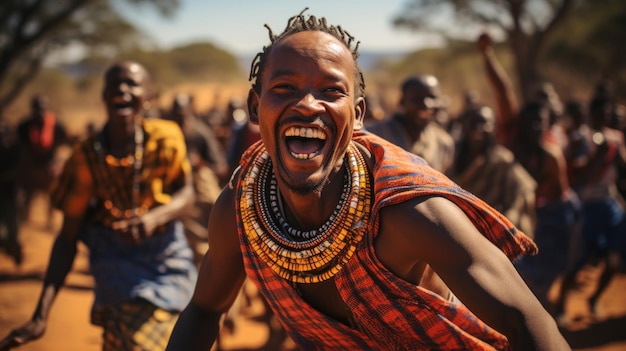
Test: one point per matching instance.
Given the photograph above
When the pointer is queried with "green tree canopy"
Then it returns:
(32, 30)
(527, 24)
(589, 45)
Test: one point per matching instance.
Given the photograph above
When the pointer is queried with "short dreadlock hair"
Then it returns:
(300, 23)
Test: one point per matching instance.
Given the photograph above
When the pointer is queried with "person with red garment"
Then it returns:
(40, 137)
(355, 243)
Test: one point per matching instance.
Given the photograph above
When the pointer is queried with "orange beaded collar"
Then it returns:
(304, 257)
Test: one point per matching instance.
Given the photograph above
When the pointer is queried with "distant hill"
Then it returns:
(369, 59)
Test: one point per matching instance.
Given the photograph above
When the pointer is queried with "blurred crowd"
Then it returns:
(556, 169)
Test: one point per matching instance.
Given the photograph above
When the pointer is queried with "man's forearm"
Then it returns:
(59, 265)
(194, 330)
(173, 209)
(542, 336)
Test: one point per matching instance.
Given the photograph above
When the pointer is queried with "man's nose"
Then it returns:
(309, 104)
(426, 103)
(123, 87)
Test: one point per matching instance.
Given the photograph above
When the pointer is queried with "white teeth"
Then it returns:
(303, 132)
(124, 111)
(303, 156)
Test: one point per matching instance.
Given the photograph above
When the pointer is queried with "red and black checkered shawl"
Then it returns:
(391, 313)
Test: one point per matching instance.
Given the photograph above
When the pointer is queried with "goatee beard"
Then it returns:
(307, 188)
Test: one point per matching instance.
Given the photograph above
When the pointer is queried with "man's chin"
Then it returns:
(122, 116)
(303, 185)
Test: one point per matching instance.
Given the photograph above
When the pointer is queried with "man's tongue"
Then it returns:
(303, 146)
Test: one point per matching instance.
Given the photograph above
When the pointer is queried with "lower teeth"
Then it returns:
(303, 156)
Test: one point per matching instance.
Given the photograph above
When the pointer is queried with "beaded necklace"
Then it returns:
(278, 211)
(299, 256)
(114, 202)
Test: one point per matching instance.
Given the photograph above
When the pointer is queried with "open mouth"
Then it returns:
(304, 143)
(122, 107)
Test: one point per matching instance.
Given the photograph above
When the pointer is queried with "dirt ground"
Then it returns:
(69, 328)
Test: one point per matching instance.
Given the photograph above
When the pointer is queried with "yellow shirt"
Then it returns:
(103, 184)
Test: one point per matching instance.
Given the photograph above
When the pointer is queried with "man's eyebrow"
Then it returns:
(280, 73)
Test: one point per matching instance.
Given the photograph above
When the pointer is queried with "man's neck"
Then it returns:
(310, 211)
(121, 139)
(413, 130)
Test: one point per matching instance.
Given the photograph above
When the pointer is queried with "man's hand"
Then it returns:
(484, 41)
(32, 330)
(137, 229)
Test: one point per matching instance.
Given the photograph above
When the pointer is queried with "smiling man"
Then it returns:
(355, 243)
(121, 193)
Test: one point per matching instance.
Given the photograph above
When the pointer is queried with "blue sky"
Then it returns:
(237, 25)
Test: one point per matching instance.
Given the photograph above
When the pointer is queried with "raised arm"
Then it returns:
(219, 281)
(506, 102)
(475, 270)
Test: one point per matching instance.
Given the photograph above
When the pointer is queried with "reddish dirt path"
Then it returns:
(69, 328)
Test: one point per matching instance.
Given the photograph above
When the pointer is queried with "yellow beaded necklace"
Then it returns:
(118, 203)
(314, 256)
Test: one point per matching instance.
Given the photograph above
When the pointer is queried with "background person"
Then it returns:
(121, 192)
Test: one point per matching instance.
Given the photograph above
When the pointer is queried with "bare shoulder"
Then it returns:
(553, 151)
(424, 216)
(429, 229)
(223, 219)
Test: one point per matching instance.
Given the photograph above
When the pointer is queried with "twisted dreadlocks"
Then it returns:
(300, 23)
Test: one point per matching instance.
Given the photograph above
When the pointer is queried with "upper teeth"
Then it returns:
(305, 133)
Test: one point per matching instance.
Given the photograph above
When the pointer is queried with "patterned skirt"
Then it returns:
(134, 326)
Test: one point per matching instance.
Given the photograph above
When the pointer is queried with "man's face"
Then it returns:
(419, 104)
(39, 107)
(479, 125)
(181, 109)
(307, 109)
(534, 124)
(125, 91)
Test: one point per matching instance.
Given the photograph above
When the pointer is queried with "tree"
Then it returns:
(32, 30)
(203, 60)
(589, 45)
(527, 24)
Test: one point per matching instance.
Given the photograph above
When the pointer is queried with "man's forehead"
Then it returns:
(313, 41)
(131, 68)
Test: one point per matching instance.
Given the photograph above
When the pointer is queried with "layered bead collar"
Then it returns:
(296, 255)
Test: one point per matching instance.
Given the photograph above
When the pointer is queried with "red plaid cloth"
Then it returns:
(391, 313)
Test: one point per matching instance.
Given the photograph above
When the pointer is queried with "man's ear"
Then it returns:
(253, 106)
(359, 115)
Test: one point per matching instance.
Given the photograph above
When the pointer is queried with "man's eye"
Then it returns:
(334, 90)
(283, 88)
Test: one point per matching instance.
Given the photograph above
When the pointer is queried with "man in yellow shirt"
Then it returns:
(121, 193)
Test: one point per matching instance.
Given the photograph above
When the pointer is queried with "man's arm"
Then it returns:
(61, 261)
(506, 102)
(160, 215)
(173, 209)
(219, 281)
(476, 271)
(178, 179)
